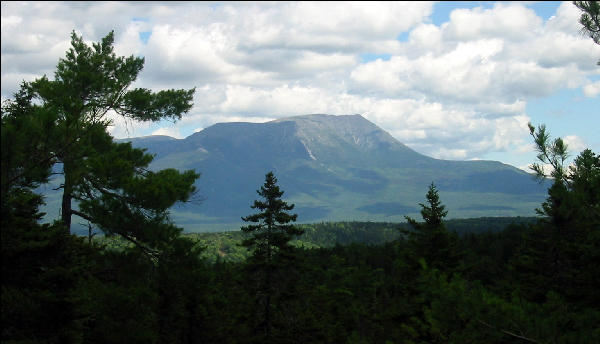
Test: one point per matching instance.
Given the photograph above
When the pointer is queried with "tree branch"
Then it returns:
(82, 215)
(507, 332)
(152, 253)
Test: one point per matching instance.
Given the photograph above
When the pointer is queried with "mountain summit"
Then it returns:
(333, 168)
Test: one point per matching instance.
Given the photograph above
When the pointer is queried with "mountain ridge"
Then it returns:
(150, 139)
(334, 168)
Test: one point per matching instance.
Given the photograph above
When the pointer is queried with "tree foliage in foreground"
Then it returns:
(590, 19)
(60, 289)
(271, 231)
(562, 247)
(61, 125)
(271, 264)
(431, 238)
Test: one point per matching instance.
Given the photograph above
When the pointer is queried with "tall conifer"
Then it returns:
(431, 238)
(271, 258)
(105, 182)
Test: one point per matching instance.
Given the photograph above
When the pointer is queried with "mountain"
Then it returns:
(332, 168)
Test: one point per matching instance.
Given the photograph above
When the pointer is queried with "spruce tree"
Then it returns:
(272, 254)
(431, 239)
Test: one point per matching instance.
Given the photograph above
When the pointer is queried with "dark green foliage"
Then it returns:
(182, 281)
(42, 275)
(558, 252)
(329, 234)
(487, 255)
(45, 274)
(226, 246)
(354, 293)
(485, 224)
(434, 213)
(58, 288)
(550, 152)
(105, 178)
(26, 151)
(462, 311)
(42, 269)
(590, 19)
(272, 232)
(123, 300)
(430, 239)
(271, 266)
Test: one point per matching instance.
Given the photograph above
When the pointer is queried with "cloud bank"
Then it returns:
(453, 90)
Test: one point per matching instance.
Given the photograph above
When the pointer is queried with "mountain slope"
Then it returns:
(333, 168)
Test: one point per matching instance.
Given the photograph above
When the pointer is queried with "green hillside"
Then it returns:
(334, 168)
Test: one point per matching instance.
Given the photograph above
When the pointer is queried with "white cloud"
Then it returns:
(456, 90)
(512, 21)
(124, 128)
(129, 41)
(168, 131)
(492, 69)
(591, 90)
(449, 153)
(558, 49)
(326, 26)
(575, 144)
(426, 38)
(566, 19)
(10, 22)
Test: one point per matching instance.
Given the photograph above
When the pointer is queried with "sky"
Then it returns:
(451, 80)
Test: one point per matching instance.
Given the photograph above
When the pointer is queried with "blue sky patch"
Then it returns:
(364, 58)
(403, 37)
(442, 9)
(545, 9)
(140, 19)
(145, 36)
(566, 103)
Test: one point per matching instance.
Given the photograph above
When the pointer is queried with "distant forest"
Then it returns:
(487, 280)
(225, 246)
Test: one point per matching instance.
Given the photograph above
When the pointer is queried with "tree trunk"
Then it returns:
(268, 319)
(268, 288)
(66, 199)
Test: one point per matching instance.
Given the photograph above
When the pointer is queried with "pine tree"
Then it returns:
(431, 239)
(590, 19)
(557, 252)
(67, 119)
(272, 254)
(89, 83)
